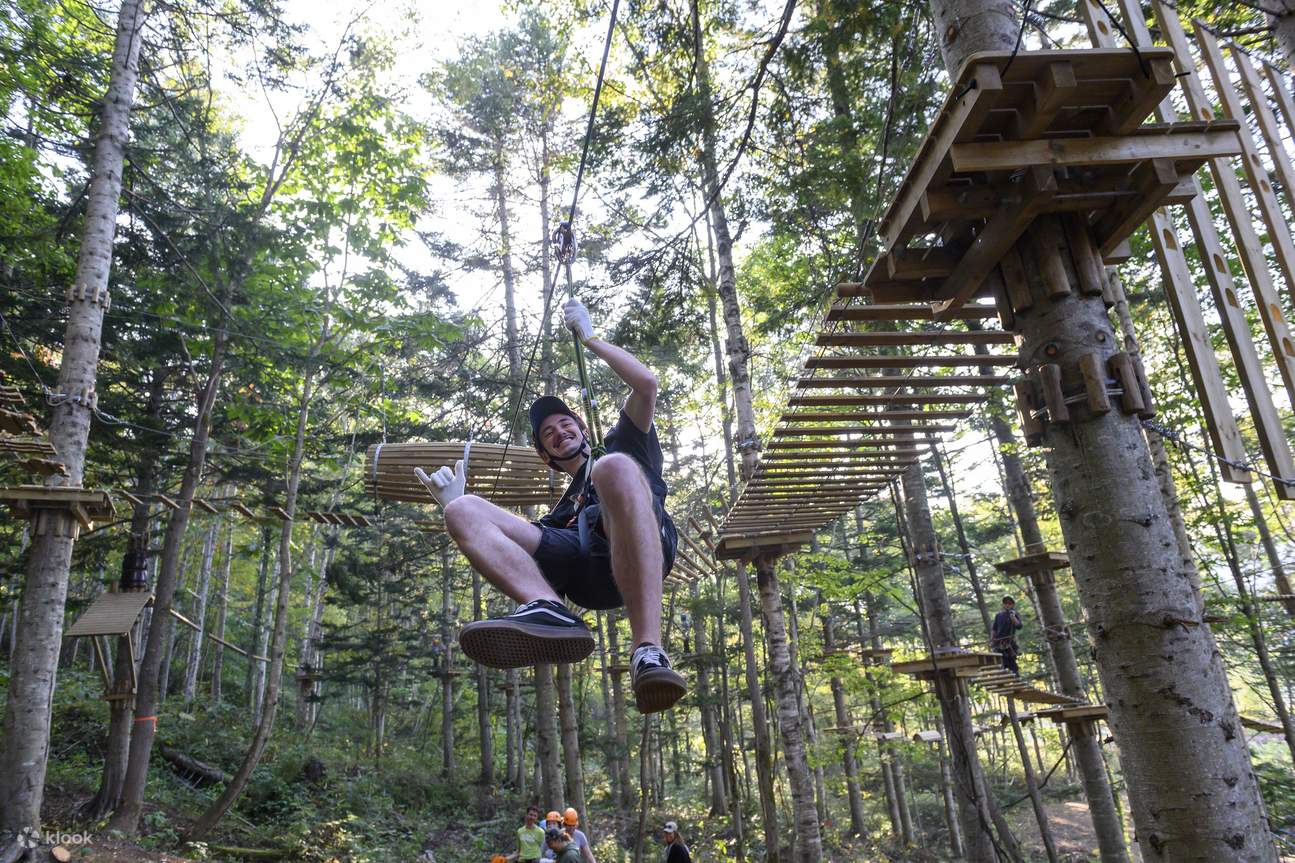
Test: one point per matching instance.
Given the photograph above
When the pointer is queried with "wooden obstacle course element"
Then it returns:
(931, 736)
(44, 466)
(508, 476)
(27, 446)
(1028, 563)
(112, 614)
(209, 634)
(888, 736)
(1262, 725)
(18, 422)
(86, 505)
(928, 666)
(1008, 115)
(339, 519)
(11, 396)
(1075, 713)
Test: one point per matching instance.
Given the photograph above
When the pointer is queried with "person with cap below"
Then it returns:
(561, 845)
(571, 823)
(675, 849)
(607, 543)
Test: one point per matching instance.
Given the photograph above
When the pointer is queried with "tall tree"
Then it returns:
(40, 624)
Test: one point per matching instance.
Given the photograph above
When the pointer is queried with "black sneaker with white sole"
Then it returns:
(657, 686)
(541, 631)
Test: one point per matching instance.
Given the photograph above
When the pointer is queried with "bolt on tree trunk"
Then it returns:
(39, 618)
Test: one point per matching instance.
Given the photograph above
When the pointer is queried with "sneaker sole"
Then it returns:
(505, 644)
(658, 689)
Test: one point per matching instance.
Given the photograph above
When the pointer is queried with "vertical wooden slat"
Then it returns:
(1278, 231)
(1265, 120)
(1236, 326)
(1282, 95)
(1249, 249)
(1220, 420)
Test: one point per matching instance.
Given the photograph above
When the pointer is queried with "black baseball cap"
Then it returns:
(544, 407)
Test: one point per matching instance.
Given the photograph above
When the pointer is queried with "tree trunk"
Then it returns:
(705, 699)
(759, 721)
(222, 615)
(278, 641)
(1270, 551)
(1031, 785)
(621, 734)
(39, 621)
(1107, 823)
(310, 659)
(808, 840)
(126, 817)
(546, 735)
(955, 707)
(898, 805)
(570, 722)
(1283, 25)
(963, 545)
(846, 732)
(253, 670)
(194, 665)
(514, 766)
(485, 737)
(447, 666)
(950, 808)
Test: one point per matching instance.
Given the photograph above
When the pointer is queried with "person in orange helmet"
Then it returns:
(571, 822)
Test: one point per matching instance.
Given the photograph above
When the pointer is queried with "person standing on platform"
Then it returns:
(1002, 635)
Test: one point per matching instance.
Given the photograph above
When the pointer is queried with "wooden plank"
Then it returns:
(1000, 234)
(967, 111)
(871, 416)
(919, 263)
(1237, 210)
(876, 431)
(1034, 562)
(880, 340)
(1147, 92)
(905, 312)
(1150, 142)
(1194, 336)
(1053, 89)
(1152, 179)
(1279, 233)
(911, 362)
(110, 614)
(1285, 105)
(907, 398)
(1265, 120)
(884, 381)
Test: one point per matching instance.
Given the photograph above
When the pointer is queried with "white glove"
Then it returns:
(576, 318)
(446, 485)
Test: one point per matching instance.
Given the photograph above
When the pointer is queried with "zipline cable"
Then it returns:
(564, 241)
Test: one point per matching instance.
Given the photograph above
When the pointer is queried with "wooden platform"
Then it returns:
(1045, 132)
(86, 505)
(111, 614)
(1076, 713)
(1263, 725)
(928, 666)
(1034, 562)
(514, 478)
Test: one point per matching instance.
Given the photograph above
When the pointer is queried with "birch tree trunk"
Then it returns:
(222, 614)
(485, 737)
(447, 660)
(858, 819)
(808, 843)
(194, 665)
(570, 722)
(1270, 550)
(39, 621)
(620, 733)
(705, 698)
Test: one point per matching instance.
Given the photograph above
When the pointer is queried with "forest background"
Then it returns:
(332, 234)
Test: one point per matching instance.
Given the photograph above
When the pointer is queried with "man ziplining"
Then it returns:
(607, 543)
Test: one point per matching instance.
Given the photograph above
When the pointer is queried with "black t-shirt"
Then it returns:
(628, 439)
(1005, 626)
(677, 854)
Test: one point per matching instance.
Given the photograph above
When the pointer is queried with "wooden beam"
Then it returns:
(877, 340)
(885, 381)
(905, 312)
(965, 112)
(992, 242)
(1054, 88)
(814, 431)
(1145, 94)
(1214, 140)
(892, 399)
(911, 362)
(870, 416)
(919, 263)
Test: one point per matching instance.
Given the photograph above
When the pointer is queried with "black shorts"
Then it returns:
(584, 576)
